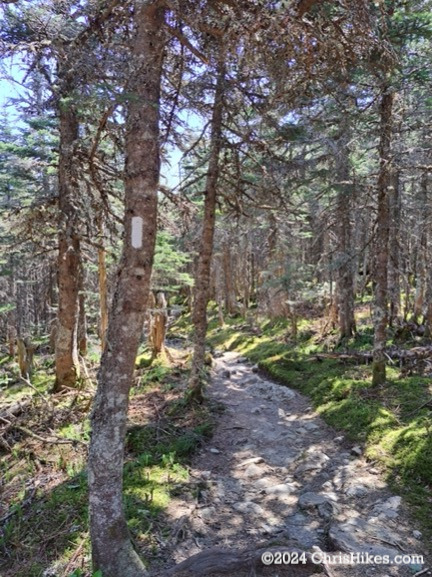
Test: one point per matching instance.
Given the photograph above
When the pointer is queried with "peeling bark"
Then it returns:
(112, 550)
(66, 351)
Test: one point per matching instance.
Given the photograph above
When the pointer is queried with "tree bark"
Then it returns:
(66, 353)
(380, 308)
(103, 291)
(202, 277)
(230, 298)
(394, 256)
(345, 281)
(112, 550)
(158, 325)
(82, 318)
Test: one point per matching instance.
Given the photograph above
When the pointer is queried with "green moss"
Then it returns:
(387, 419)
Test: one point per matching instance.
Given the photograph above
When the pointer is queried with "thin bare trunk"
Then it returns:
(82, 319)
(394, 256)
(345, 282)
(112, 550)
(202, 279)
(25, 357)
(103, 291)
(380, 312)
(158, 325)
(228, 279)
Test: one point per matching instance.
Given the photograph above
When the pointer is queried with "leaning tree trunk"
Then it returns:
(66, 351)
(112, 550)
(202, 277)
(380, 305)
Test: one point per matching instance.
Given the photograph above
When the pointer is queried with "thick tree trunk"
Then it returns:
(380, 312)
(345, 281)
(66, 353)
(112, 549)
(202, 277)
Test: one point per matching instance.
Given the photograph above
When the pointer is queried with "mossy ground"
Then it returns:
(44, 487)
(387, 420)
(43, 508)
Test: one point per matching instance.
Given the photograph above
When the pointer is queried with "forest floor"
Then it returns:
(274, 474)
(293, 449)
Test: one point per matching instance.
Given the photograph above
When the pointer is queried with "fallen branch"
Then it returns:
(16, 409)
(403, 355)
(74, 557)
(427, 403)
(53, 441)
(18, 507)
(29, 384)
(422, 572)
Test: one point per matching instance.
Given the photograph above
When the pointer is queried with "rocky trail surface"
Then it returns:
(275, 476)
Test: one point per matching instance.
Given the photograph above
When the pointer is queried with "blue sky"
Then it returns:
(10, 90)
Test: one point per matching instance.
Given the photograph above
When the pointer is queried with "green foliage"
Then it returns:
(389, 420)
(157, 455)
(169, 264)
(80, 573)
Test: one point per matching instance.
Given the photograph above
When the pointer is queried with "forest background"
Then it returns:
(299, 218)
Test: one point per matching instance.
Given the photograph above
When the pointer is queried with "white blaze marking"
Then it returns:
(137, 231)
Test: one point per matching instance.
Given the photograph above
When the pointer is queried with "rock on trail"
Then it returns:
(275, 473)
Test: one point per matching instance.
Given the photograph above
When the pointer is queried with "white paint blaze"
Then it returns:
(137, 232)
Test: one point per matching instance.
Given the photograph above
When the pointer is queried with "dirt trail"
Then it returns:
(275, 474)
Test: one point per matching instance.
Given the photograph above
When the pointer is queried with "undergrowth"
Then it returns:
(43, 509)
(389, 421)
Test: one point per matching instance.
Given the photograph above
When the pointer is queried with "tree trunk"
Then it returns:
(112, 550)
(25, 357)
(66, 353)
(103, 291)
(202, 277)
(380, 312)
(82, 319)
(11, 316)
(230, 299)
(158, 325)
(428, 257)
(345, 281)
(420, 271)
(394, 256)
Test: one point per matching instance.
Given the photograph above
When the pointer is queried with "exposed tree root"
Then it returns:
(228, 562)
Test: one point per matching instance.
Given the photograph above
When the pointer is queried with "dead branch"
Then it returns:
(427, 403)
(53, 440)
(16, 409)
